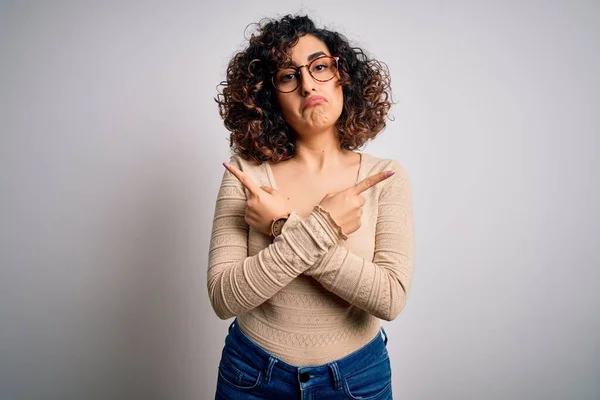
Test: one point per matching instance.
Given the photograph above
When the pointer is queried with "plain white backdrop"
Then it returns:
(110, 160)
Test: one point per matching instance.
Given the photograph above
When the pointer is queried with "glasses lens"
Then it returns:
(286, 80)
(322, 69)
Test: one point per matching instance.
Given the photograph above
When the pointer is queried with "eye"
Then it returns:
(320, 66)
(287, 77)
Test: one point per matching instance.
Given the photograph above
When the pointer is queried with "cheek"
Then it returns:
(336, 91)
(286, 105)
(338, 95)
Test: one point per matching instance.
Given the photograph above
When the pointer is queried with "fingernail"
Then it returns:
(389, 173)
(225, 164)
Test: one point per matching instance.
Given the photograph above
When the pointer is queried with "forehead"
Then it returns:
(306, 46)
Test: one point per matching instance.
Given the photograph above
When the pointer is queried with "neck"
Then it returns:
(319, 152)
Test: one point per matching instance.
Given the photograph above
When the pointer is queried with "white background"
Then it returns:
(110, 160)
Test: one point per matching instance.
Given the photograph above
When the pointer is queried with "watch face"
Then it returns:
(278, 226)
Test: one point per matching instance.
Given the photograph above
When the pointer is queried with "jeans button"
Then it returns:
(304, 377)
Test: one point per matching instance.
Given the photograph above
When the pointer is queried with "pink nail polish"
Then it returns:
(389, 173)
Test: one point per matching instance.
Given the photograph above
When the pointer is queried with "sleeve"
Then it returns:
(380, 286)
(238, 283)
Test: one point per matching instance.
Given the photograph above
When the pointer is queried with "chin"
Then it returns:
(320, 118)
(318, 121)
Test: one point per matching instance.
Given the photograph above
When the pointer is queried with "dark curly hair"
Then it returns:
(251, 113)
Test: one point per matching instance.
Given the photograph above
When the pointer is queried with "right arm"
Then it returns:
(238, 283)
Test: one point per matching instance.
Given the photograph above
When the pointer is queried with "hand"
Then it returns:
(263, 205)
(345, 207)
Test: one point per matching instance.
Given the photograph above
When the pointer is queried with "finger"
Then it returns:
(243, 178)
(371, 181)
(268, 189)
(249, 215)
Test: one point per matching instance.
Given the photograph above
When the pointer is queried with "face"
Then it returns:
(314, 106)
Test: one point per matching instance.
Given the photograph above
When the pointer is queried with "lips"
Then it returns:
(314, 100)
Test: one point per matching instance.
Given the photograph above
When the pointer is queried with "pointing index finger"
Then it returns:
(243, 178)
(372, 181)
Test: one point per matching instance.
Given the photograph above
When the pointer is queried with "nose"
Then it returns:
(306, 81)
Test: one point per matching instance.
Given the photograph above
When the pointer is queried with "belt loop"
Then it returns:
(337, 379)
(385, 336)
(272, 362)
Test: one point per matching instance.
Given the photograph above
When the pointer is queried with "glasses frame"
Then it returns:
(336, 59)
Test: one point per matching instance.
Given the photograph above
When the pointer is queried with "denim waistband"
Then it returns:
(271, 364)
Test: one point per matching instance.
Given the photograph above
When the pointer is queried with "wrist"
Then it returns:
(334, 228)
(277, 224)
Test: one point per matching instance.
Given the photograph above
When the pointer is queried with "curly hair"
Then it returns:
(251, 113)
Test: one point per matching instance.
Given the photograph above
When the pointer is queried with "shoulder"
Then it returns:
(246, 165)
(373, 165)
(393, 188)
(256, 171)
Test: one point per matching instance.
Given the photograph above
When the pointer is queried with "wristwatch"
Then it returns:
(277, 225)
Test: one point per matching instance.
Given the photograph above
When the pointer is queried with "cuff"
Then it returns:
(333, 227)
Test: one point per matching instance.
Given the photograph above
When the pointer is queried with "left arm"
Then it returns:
(379, 287)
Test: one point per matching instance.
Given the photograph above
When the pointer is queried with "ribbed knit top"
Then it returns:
(312, 295)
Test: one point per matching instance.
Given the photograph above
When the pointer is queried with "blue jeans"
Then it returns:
(248, 372)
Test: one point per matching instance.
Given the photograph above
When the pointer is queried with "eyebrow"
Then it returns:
(315, 55)
(311, 57)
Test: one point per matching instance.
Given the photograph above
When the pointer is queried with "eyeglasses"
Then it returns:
(322, 69)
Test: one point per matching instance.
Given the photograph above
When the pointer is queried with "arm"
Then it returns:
(238, 283)
(380, 286)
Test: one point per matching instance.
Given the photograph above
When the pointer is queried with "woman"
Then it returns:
(312, 242)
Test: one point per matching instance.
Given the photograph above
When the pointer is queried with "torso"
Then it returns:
(305, 189)
(288, 325)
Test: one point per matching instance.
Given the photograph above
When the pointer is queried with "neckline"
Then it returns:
(271, 177)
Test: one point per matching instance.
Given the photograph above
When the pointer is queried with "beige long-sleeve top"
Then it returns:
(312, 295)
